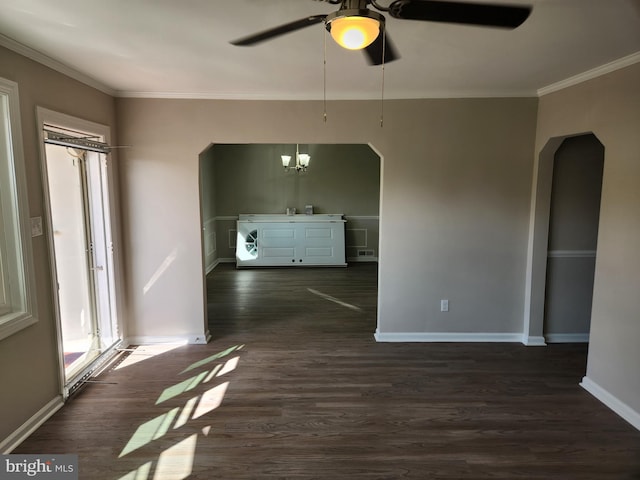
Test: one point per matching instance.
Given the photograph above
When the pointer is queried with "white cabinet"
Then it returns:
(290, 240)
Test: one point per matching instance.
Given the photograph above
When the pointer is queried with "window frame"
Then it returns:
(17, 272)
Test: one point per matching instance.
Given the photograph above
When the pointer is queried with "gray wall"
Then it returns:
(609, 106)
(454, 212)
(573, 236)
(341, 179)
(29, 368)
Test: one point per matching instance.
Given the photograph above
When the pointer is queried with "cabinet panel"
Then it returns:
(277, 252)
(285, 240)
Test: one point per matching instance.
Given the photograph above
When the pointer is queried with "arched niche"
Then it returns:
(533, 331)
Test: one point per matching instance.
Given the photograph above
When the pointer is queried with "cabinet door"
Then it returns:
(321, 243)
(278, 243)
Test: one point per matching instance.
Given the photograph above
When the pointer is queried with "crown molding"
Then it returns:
(443, 94)
(590, 74)
(59, 67)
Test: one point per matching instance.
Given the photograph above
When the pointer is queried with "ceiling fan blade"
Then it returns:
(488, 15)
(280, 30)
(381, 44)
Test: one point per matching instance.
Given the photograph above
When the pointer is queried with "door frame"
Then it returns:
(50, 117)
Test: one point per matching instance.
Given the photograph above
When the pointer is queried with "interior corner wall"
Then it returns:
(609, 106)
(29, 363)
(453, 217)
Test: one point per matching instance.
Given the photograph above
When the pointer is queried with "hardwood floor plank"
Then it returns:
(293, 385)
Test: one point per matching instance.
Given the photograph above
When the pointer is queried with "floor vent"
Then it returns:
(366, 253)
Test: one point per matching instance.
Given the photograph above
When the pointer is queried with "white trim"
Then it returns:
(25, 313)
(363, 259)
(232, 237)
(571, 254)
(59, 67)
(567, 338)
(44, 117)
(227, 260)
(31, 425)
(45, 60)
(362, 217)
(338, 96)
(591, 74)
(533, 341)
(447, 337)
(192, 339)
(212, 267)
(611, 401)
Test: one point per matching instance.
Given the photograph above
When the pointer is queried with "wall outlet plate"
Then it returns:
(36, 226)
(444, 305)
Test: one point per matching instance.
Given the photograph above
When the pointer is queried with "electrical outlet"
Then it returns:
(444, 305)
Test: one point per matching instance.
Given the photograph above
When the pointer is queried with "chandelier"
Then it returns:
(302, 161)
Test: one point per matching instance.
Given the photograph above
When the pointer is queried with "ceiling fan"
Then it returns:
(356, 27)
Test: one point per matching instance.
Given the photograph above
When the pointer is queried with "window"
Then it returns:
(16, 264)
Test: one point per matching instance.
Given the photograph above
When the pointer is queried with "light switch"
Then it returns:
(36, 226)
(444, 305)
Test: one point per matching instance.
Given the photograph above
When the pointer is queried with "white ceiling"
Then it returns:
(171, 48)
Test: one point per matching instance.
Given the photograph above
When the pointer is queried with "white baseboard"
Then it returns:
(30, 426)
(611, 401)
(211, 267)
(195, 339)
(448, 337)
(362, 259)
(531, 341)
(567, 338)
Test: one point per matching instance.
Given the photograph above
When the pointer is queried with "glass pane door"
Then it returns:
(72, 250)
(102, 249)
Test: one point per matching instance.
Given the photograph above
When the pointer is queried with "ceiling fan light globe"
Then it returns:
(354, 32)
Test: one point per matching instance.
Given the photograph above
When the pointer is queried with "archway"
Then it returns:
(538, 254)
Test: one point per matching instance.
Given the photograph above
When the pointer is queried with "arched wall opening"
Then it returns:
(562, 245)
(250, 179)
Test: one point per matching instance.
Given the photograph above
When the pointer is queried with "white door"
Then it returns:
(82, 248)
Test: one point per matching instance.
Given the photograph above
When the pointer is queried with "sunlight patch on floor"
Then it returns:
(180, 388)
(145, 352)
(229, 366)
(335, 300)
(149, 431)
(176, 463)
(210, 400)
(212, 358)
(141, 473)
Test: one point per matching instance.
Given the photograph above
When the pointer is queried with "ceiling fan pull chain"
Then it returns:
(384, 44)
(324, 77)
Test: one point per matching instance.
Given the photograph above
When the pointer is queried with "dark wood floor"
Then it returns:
(293, 385)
